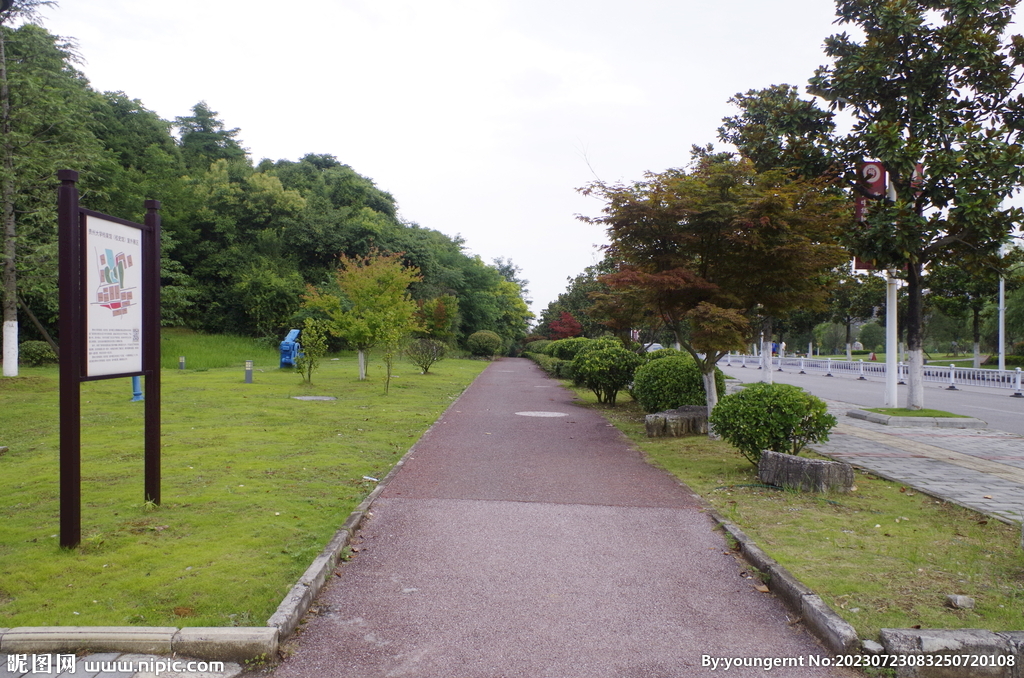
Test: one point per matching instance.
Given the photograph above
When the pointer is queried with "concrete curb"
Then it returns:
(840, 637)
(831, 629)
(216, 643)
(939, 422)
(234, 644)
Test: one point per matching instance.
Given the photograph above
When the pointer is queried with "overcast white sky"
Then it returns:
(481, 117)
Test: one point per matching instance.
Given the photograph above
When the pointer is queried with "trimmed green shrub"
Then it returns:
(776, 417)
(560, 369)
(663, 353)
(484, 343)
(36, 353)
(566, 349)
(537, 346)
(666, 383)
(605, 371)
(599, 343)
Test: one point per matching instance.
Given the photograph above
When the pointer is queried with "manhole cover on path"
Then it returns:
(542, 414)
(314, 397)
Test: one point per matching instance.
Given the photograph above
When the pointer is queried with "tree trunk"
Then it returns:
(915, 347)
(711, 395)
(7, 193)
(362, 364)
(849, 342)
(766, 352)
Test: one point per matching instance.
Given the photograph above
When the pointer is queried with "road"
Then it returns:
(524, 536)
(994, 406)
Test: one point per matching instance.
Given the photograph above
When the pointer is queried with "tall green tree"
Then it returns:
(43, 127)
(713, 248)
(374, 307)
(930, 82)
(204, 138)
(854, 298)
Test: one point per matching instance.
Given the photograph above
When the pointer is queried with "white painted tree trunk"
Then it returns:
(711, 392)
(362, 365)
(11, 349)
(766, 362)
(977, 355)
(915, 379)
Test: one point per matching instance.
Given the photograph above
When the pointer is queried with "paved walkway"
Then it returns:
(524, 537)
(982, 469)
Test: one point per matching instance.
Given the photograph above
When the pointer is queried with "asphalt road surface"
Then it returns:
(992, 405)
(525, 538)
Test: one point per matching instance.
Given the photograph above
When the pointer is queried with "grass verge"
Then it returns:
(254, 485)
(884, 556)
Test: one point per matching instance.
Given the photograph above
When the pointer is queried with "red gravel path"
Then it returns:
(521, 546)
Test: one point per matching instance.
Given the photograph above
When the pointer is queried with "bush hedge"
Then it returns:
(605, 371)
(665, 383)
(566, 349)
(484, 343)
(537, 346)
(776, 417)
(36, 353)
(560, 369)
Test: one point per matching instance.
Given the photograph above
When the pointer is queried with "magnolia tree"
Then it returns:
(932, 89)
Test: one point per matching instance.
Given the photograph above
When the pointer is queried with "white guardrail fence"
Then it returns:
(951, 375)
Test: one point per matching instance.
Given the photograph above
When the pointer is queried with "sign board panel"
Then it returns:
(112, 288)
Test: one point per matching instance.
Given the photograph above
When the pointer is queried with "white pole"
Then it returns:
(1002, 324)
(891, 345)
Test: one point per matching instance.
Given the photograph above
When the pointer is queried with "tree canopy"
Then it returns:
(242, 242)
(710, 249)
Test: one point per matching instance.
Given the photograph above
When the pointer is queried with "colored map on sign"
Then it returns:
(113, 291)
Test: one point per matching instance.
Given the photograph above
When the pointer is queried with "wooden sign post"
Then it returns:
(109, 327)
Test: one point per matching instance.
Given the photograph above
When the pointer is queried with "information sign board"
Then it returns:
(113, 285)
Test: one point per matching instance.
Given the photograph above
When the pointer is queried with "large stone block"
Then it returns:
(684, 421)
(949, 649)
(809, 475)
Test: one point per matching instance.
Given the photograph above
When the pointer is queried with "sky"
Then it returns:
(481, 117)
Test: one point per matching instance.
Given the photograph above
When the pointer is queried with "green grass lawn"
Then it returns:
(254, 485)
(882, 556)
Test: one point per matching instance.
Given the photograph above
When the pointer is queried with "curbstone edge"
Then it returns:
(955, 642)
(225, 643)
(38, 639)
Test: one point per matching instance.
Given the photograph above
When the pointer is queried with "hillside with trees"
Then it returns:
(243, 242)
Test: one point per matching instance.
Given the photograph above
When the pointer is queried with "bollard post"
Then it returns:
(952, 379)
(181, 362)
(899, 373)
(1018, 394)
(802, 366)
(862, 377)
(744, 358)
(137, 389)
(828, 367)
(248, 371)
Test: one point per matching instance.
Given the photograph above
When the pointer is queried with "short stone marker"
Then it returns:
(808, 475)
(683, 421)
